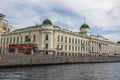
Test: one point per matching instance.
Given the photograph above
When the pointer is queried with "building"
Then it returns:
(51, 39)
(3, 24)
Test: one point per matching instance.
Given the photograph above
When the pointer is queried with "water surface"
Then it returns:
(90, 71)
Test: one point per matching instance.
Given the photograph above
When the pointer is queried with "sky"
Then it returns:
(102, 16)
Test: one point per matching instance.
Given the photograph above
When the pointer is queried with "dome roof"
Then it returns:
(84, 26)
(47, 21)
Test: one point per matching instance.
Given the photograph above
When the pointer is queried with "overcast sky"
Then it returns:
(102, 16)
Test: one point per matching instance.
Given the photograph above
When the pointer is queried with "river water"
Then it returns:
(90, 71)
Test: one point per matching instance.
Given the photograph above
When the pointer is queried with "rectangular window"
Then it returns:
(17, 39)
(65, 47)
(66, 39)
(81, 48)
(7, 40)
(14, 39)
(73, 40)
(34, 37)
(78, 48)
(86, 43)
(46, 46)
(10, 40)
(27, 38)
(78, 41)
(58, 38)
(61, 38)
(57, 47)
(81, 42)
(73, 48)
(21, 39)
(46, 36)
(4, 41)
(69, 47)
(1, 41)
(61, 47)
(69, 40)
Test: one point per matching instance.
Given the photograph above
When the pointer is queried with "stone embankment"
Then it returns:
(25, 60)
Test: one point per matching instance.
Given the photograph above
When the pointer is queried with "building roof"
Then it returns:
(84, 26)
(47, 21)
(118, 42)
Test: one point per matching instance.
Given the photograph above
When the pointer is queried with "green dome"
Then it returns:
(47, 21)
(84, 26)
(118, 42)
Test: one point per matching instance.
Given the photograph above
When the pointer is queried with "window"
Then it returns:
(78, 41)
(69, 40)
(27, 38)
(86, 43)
(81, 41)
(58, 38)
(66, 39)
(4, 40)
(78, 48)
(14, 39)
(46, 36)
(69, 47)
(73, 40)
(46, 52)
(92, 49)
(73, 48)
(7, 40)
(34, 37)
(46, 46)
(65, 47)
(1, 41)
(57, 47)
(81, 48)
(17, 39)
(10, 40)
(21, 38)
(57, 53)
(61, 47)
(61, 38)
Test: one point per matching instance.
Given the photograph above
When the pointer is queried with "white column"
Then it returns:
(95, 47)
(51, 40)
(101, 47)
(104, 48)
(42, 40)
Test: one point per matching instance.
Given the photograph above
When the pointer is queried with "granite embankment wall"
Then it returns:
(21, 59)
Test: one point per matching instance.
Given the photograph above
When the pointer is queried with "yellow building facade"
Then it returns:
(3, 24)
(51, 39)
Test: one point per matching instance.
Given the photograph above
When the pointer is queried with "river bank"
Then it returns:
(8, 60)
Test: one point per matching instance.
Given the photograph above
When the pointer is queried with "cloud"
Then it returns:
(101, 15)
(113, 37)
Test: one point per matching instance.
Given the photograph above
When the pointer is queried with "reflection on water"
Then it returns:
(91, 71)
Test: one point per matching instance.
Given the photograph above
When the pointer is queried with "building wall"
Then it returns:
(53, 40)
